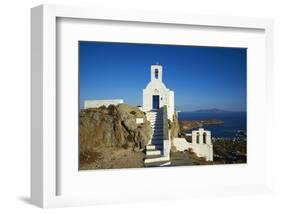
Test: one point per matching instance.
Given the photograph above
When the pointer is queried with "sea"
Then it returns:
(233, 122)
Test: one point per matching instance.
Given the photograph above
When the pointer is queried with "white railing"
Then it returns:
(166, 134)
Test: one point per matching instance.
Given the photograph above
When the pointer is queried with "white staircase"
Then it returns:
(154, 149)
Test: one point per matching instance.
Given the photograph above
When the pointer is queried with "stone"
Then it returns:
(113, 126)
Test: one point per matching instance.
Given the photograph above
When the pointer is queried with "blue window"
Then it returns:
(156, 73)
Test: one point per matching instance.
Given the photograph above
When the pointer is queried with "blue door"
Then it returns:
(155, 101)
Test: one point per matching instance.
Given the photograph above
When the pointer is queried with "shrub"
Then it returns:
(133, 112)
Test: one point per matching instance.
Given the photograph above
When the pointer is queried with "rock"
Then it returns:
(130, 124)
(114, 126)
(174, 127)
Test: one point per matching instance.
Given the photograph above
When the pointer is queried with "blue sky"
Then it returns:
(201, 77)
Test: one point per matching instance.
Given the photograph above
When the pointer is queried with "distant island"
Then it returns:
(214, 110)
(193, 124)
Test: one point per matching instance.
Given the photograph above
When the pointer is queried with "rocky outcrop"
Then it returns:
(114, 127)
(174, 131)
(174, 127)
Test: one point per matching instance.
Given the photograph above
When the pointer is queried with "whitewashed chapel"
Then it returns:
(159, 105)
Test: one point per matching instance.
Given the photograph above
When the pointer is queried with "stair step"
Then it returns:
(158, 128)
(157, 164)
(154, 147)
(156, 159)
(156, 121)
(157, 125)
(153, 152)
(157, 138)
(156, 142)
(157, 131)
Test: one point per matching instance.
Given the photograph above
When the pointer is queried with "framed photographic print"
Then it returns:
(128, 124)
(149, 106)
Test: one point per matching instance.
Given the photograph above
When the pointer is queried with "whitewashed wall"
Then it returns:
(99, 103)
(199, 148)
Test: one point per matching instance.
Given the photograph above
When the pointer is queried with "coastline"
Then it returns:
(231, 122)
(186, 125)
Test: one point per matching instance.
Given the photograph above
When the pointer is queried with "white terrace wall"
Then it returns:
(201, 146)
(99, 103)
(171, 105)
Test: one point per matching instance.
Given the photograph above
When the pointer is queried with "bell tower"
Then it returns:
(156, 72)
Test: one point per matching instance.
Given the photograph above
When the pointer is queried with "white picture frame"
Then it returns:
(44, 150)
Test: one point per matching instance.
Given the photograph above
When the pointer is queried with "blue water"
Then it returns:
(233, 121)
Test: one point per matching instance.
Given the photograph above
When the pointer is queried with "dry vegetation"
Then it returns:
(111, 158)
